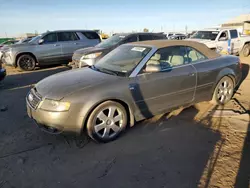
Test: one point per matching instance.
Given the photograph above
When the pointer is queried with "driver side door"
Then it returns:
(222, 42)
(174, 85)
(50, 51)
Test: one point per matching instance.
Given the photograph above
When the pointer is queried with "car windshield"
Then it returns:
(111, 41)
(210, 35)
(35, 38)
(122, 60)
(23, 40)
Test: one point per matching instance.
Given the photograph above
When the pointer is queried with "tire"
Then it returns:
(246, 50)
(102, 125)
(26, 62)
(223, 91)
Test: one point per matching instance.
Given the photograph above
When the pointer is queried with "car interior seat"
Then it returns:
(192, 55)
(155, 59)
(176, 59)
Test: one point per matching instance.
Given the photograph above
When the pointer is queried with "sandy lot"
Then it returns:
(202, 146)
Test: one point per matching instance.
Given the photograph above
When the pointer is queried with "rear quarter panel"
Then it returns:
(209, 73)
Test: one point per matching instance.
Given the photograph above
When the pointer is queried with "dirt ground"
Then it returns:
(201, 146)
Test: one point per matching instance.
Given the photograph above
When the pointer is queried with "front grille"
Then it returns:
(34, 99)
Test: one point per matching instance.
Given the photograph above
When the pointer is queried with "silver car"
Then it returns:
(133, 82)
(53, 47)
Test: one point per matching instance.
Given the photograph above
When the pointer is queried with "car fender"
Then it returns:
(23, 52)
(244, 43)
(224, 72)
(93, 102)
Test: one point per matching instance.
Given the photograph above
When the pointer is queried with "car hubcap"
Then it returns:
(225, 91)
(246, 51)
(108, 122)
(26, 62)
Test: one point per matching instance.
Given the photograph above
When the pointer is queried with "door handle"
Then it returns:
(56, 44)
(75, 43)
(191, 74)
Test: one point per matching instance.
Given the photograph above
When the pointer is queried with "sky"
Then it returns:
(28, 16)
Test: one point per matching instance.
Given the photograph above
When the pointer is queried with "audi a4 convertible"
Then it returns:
(133, 82)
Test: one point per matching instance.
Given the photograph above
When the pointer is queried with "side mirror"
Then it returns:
(153, 68)
(223, 39)
(41, 41)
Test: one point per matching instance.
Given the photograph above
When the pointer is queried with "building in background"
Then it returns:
(241, 23)
(27, 35)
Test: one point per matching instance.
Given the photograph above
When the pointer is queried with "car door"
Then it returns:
(70, 42)
(50, 50)
(222, 42)
(207, 71)
(173, 86)
(235, 41)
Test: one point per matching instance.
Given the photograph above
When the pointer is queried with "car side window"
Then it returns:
(145, 37)
(233, 34)
(224, 35)
(50, 38)
(132, 38)
(67, 36)
(169, 57)
(158, 37)
(194, 56)
(91, 35)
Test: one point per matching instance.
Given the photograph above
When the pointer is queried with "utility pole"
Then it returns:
(186, 29)
(6, 35)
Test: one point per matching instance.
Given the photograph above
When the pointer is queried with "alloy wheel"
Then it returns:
(26, 62)
(108, 122)
(225, 90)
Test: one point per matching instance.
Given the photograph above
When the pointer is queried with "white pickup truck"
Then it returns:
(223, 40)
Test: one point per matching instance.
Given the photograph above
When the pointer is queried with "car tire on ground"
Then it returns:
(26, 62)
(107, 121)
(246, 50)
(223, 91)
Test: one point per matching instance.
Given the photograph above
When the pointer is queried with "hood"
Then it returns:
(209, 43)
(21, 45)
(65, 83)
(89, 50)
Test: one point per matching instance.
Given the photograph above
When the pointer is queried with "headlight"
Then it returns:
(54, 106)
(91, 56)
(7, 51)
(89, 59)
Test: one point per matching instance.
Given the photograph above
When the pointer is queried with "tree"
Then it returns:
(145, 30)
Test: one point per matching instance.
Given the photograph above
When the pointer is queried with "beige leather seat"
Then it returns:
(155, 59)
(176, 60)
(192, 55)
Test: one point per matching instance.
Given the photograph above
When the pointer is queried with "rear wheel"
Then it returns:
(107, 121)
(223, 91)
(26, 62)
(246, 50)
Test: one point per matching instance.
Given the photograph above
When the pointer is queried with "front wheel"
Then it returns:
(26, 62)
(246, 50)
(223, 91)
(107, 121)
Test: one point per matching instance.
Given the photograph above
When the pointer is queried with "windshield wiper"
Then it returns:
(104, 70)
(109, 71)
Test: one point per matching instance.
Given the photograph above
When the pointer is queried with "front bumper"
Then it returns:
(56, 122)
(2, 74)
(8, 59)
